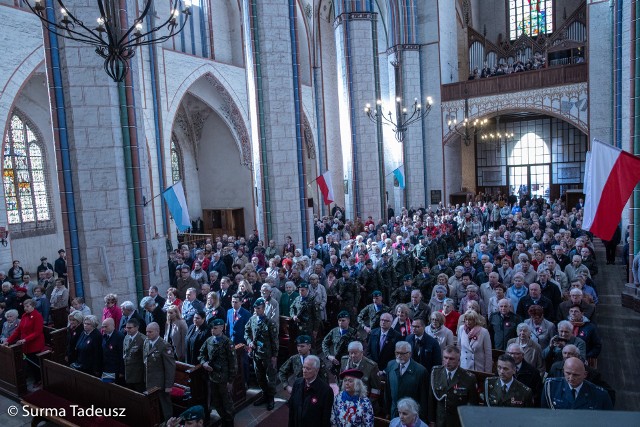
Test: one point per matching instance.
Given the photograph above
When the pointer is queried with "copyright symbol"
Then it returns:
(12, 411)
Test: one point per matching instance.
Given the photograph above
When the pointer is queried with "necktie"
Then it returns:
(123, 322)
(383, 338)
(402, 365)
(418, 346)
(449, 378)
(574, 392)
(504, 389)
(235, 316)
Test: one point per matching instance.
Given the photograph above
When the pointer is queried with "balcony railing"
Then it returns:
(516, 82)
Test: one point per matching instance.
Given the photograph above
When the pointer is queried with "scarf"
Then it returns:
(346, 397)
(473, 333)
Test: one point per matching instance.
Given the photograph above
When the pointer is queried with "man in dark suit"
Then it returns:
(153, 293)
(451, 386)
(112, 363)
(426, 349)
(132, 354)
(129, 312)
(382, 342)
(311, 398)
(505, 390)
(217, 264)
(405, 378)
(225, 293)
(526, 373)
(572, 391)
(237, 318)
(535, 297)
(154, 313)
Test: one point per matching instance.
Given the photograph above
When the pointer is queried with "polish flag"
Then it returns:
(324, 182)
(610, 176)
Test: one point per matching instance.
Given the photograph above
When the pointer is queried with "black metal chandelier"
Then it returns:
(404, 117)
(113, 39)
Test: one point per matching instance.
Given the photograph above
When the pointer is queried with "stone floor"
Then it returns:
(619, 328)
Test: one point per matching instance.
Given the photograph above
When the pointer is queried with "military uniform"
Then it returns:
(306, 312)
(336, 344)
(134, 362)
(293, 367)
(557, 394)
(349, 291)
(445, 396)
(387, 274)
(425, 283)
(517, 396)
(369, 370)
(403, 265)
(370, 315)
(219, 354)
(371, 280)
(402, 295)
(160, 371)
(262, 333)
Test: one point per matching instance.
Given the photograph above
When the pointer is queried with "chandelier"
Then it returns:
(466, 129)
(497, 136)
(404, 117)
(114, 41)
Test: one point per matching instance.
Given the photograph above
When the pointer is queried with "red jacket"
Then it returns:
(30, 330)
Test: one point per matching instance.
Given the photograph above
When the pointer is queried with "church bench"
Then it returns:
(13, 378)
(56, 341)
(68, 396)
(190, 388)
(380, 422)
(480, 377)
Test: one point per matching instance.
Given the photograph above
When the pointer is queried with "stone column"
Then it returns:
(357, 87)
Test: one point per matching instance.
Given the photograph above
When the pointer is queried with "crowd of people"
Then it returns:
(400, 315)
(536, 62)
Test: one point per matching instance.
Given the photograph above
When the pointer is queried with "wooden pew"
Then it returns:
(13, 378)
(56, 341)
(63, 386)
(287, 339)
(193, 381)
(480, 377)
(239, 391)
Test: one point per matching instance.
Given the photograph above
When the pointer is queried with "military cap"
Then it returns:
(345, 270)
(354, 373)
(385, 254)
(259, 302)
(303, 285)
(303, 339)
(367, 262)
(407, 277)
(425, 264)
(376, 294)
(44, 258)
(216, 322)
(193, 414)
(421, 237)
(344, 314)
(440, 257)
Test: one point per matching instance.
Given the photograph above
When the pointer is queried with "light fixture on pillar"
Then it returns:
(466, 129)
(404, 116)
(497, 136)
(113, 39)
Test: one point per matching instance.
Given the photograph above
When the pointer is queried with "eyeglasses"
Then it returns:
(401, 353)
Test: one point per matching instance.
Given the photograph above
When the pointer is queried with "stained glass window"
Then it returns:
(23, 171)
(532, 17)
(176, 161)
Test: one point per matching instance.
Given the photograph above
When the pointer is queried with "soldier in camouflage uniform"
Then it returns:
(304, 312)
(293, 365)
(425, 281)
(402, 295)
(218, 357)
(388, 276)
(369, 317)
(336, 343)
(442, 267)
(348, 293)
(262, 340)
(402, 264)
(369, 279)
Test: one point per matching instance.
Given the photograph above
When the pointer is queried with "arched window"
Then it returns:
(176, 161)
(531, 17)
(24, 173)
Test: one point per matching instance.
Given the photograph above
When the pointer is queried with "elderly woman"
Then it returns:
(472, 295)
(172, 300)
(176, 332)
(505, 271)
(89, 348)
(541, 329)
(73, 334)
(111, 309)
(212, 308)
(287, 298)
(474, 343)
(402, 321)
(42, 302)
(29, 333)
(473, 305)
(437, 330)
(531, 349)
(408, 414)
(352, 407)
(59, 303)
(196, 337)
(498, 293)
(440, 294)
(451, 316)
(10, 325)
(245, 293)
(517, 290)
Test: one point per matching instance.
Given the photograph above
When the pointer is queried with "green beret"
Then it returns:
(259, 302)
(194, 413)
(216, 322)
(303, 339)
(343, 315)
(303, 285)
(407, 277)
(376, 294)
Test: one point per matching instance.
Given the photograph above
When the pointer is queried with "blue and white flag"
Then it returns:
(177, 203)
(399, 175)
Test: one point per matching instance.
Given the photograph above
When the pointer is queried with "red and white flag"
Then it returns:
(609, 179)
(326, 187)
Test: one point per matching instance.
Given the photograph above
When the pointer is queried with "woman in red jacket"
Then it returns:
(29, 333)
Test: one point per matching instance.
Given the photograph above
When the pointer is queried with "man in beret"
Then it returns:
(336, 342)
(303, 311)
(402, 295)
(262, 340)
(369, 317)
(442, 267)
(387, 274)
(370, 280)
(425, 281)
(348, 293)
(218, 358)
(293, 365)
(192, 417)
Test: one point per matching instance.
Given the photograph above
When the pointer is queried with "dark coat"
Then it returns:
(544, 302)
(142, 328)
(112, 361)
(382, 357)
(530, 376)
(311, 408)
(413, 383)
(195, 338)
(461, 391)
(557, 395)
(89, 352)
(430, 352)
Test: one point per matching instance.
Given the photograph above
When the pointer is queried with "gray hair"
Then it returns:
(127, 305)
(448, 301)
(12, 312)
(409, 405)
(565, 324)
(403, 345)
(315, 360)
(146, 302)
(289, 284)
(523, 326)
(93, 319)
(355, 345)
(359, 387)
